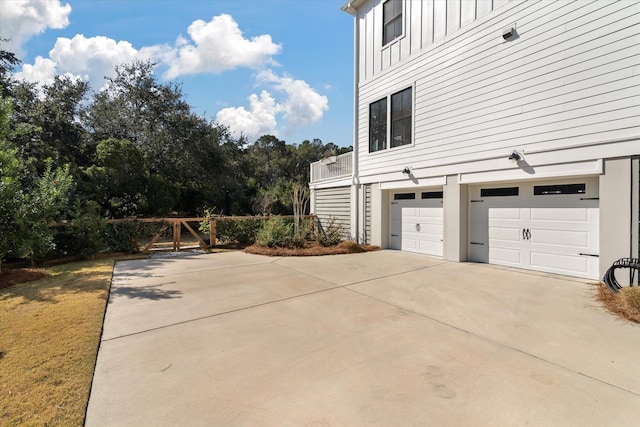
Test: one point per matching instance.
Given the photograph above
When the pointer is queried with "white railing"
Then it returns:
(332, 167)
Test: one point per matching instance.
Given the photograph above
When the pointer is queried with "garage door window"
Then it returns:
(432, 195)
(499, 192)
(404, 196)
(543, 190)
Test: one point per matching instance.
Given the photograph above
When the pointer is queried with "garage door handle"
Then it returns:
(417, 227)
(528, 234)
(593, 255)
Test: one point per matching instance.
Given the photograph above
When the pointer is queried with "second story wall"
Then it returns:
(423, 23)
(570, 79)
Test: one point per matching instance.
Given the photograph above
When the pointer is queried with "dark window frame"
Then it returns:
(392, 25)
(391, 121)
(432, 195)
(401, 117)
(500, 192)
(559, 189)
(378, 113)
(404, 196)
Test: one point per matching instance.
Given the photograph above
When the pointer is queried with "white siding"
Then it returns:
(571, 78)
(334, 203)
(424, 22)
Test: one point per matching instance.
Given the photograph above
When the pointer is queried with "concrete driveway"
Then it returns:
(382, 338)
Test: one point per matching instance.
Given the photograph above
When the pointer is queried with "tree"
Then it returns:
(9, 182)
(119, 178)
(38, 208)
(7, 62)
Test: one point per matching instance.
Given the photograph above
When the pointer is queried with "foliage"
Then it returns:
(119, 178)
(133, 148)
(242, 231)
(276, 232)
(329, 234)
(300, 201)
(38, 208)
(84, 235)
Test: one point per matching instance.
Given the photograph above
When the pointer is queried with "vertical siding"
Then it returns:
(334, 203)
(572, 77)
(425, 22)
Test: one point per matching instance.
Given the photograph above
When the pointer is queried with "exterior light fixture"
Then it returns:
(406, 170)
(509, 34)
(515, 156)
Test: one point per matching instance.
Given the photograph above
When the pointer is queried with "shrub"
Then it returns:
(329, 234)
(123, 236)
(276, 232)
(242, 231)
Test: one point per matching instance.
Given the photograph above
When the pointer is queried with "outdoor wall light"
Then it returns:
(509, 34)
(515, 156)
(406, 170)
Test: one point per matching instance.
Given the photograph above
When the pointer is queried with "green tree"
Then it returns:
(39, 206)
(119, 178)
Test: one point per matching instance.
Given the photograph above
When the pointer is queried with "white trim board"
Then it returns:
(525, 171)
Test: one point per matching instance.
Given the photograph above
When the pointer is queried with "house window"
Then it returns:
(401, 118)
(404, 196)
(432, 195)
(378, 125)
(395, 125)
(499, 192)
(543, 190)
(392, 20)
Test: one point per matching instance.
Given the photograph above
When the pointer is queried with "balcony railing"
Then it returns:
(332, 167)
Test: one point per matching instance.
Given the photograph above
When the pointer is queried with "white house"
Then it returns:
(496, 131)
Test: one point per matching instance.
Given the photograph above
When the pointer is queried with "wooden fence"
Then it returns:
(176, 224)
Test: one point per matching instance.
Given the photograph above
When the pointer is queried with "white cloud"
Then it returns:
(300, 106)
(88, 58)
(260, 119)
(218, 45)
(22, 19)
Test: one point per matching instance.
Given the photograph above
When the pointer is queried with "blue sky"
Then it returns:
(283, 67)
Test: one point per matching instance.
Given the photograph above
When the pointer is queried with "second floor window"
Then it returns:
(401, 118)
(394, 124)
(378, 125)
(392, 20)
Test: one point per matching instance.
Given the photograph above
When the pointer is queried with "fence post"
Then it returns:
(212, 233)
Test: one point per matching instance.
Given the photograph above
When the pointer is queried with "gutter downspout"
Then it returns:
(355, 180)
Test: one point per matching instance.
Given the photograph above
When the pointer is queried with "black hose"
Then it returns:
(609, 277)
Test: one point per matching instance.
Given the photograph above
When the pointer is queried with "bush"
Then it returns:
(123, 236)
(242, 231)
(276, 232)
(330, 234)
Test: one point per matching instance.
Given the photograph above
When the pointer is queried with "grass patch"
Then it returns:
(624, 304)
(49, 336)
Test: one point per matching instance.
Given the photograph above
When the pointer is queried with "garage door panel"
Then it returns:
(417, 226)
(562, 264)
(505, 256)
(502, 214)
(505, 234)
(556, 233)
(559, 215)
(560, 238)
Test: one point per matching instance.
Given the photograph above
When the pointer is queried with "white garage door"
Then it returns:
(548, 226)
(416, 222)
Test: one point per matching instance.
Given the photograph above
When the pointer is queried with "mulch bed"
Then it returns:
(615, 303)
(312, 249)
